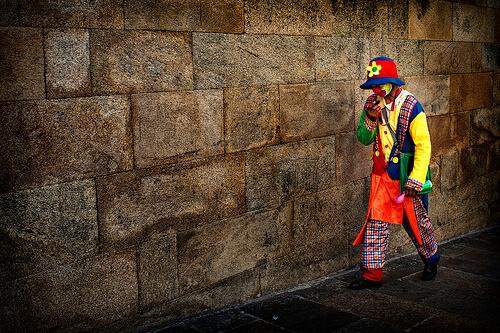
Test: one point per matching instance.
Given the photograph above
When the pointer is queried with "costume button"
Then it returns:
(377, 153)
(386, 146)
(385, 132)
(395, 160)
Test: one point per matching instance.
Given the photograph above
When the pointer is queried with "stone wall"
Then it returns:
(162, 158)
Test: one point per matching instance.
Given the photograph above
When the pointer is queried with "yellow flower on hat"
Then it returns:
(373, 69)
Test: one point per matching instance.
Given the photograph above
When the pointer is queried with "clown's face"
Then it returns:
(382, 90)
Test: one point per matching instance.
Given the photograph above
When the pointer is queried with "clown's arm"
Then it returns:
(420, 135)
(366, 132)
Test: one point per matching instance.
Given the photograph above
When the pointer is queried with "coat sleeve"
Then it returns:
(367, 129)
(420, 134)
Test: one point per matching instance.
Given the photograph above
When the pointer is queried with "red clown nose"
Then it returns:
(378, 90)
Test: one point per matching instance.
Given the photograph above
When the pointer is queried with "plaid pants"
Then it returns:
(377, 236)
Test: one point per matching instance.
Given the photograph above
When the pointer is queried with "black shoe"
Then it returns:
(364, 283)
(430, 270)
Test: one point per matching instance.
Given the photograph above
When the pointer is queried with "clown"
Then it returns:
(395, 123)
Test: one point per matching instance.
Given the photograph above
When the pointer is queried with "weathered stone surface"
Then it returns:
(67, 63)
(8, 13)
(433, 93)
(471, 91)
(473, 163)
(451, 58)
(449, 132)
(407, 54)
(430, 20)
(474, 23)
(341, 58)
(277, 174)
(21, 51)
(175, 126)
(222, 60)
(449, 174)
(192, 15)
(46, 227)
(490, 57)
(157, 270)
(251, 117)
(107, 14)
(79, 297)
(360, 19)
(496, 89)
(46, 142)
(485, 125)
(135, 206)
(131, 61)
(468, 209)
(236, 289)
(330, 214)
(303, 17)
(217, 251)
(353, 158)
(315, 110)
(304, 264)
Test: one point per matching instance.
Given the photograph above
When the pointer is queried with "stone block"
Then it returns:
(236, 289)
(135, 206)
(473, 162)
(21, 51)
(330, 214)
(449, 132)
(430, 20)
(217, 251)
(341, 58)
(449, 174)
(251, 117)
(407, 54)
(353, 158)
(435, 167)
(471, 91)
(176, 126)
(496, 89)
(474, 23)
(315, 110)
(157, 270)
(303, 265)
(75, 298)
(277, 174)
(451, 58)
(471, 195)
(47, 142)
(490, 57)
(192, 15)
(222, 60)
(433, 93)
(302, 17)
(131, 61)
(361, 19)
(105, 14)
(47, 227)
(9, 15)
(67, 63)
(485, 125)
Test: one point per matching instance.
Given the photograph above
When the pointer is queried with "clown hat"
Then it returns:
(381, 70)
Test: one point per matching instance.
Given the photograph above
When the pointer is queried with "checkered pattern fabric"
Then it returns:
(429, 244)
(413, 183)
(377, 235)
(404, 118)
(375, 244)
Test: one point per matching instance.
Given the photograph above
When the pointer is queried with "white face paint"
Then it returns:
(383, 90)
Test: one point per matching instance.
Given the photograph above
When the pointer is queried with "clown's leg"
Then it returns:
(374, 249)
(428, 250)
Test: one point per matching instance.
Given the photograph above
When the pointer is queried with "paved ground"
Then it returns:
(464, 297)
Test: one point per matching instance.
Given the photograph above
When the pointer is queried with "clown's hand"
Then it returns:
(374, 111)
(410, 192)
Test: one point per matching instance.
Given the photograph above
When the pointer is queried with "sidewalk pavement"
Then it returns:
(464, 297)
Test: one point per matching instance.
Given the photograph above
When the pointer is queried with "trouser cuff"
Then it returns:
(372, 274)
